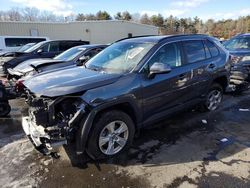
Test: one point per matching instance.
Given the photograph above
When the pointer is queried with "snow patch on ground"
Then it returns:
(17, 157)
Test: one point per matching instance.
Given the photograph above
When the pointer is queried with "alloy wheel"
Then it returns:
(214, 99)
(113, 137)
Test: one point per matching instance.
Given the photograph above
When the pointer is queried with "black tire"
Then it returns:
(93, 148)
(4, 109)
(215, 88)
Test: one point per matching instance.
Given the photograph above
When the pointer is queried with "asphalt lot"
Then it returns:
(191, 149)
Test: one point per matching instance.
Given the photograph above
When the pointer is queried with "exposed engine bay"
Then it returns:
(52, 122)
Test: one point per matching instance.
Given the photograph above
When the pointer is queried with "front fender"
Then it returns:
(87, 121)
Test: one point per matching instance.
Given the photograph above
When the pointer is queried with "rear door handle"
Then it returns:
(211, 66)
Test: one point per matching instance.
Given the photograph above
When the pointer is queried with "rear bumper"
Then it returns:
(40, 138)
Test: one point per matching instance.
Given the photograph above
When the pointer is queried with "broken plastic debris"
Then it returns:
(204, 121)
(244, 109)
(224, 140)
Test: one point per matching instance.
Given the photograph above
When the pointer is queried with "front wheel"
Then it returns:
(4, 109)
(213, 98)
(112, 133)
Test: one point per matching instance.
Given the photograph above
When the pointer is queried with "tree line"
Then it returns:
(167, 25)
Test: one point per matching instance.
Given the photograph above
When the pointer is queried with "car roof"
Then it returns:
(243, 35)
(80, 41)
(159, 38)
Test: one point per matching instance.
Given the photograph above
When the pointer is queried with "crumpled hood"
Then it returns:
(29, 65)
(68, 81)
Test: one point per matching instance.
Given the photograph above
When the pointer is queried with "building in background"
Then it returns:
(92, 31)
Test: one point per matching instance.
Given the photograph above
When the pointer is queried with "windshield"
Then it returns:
(26, 47)
(120, 57)
(70, 54)
(35, 47)
(238, 43)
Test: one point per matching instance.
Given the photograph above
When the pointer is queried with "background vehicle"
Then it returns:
(129, 85)
(239, 48)
(46, 49)
(7, 92)
(13, 43)
(21, 49)
(74, 56)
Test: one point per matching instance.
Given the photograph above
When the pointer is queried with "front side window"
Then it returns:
(169, 54)
(51, 47)
(70, 54)
(91, 53)
(239, 43)
(194, 50)
(120, 57)
(35, 47)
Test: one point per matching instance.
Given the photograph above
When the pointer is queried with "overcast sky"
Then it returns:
(216, 9)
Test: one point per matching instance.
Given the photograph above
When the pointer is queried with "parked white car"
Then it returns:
(13, 43)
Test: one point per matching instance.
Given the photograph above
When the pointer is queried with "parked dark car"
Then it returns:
(4, 103)
(129, 85)
(239, 48)
(46, 49)
(5, 56)
(73, 56)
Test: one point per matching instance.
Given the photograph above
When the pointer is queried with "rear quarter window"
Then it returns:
(212, 48)
(194, 50)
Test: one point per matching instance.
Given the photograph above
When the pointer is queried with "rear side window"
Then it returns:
(16, 42)
(212, 48)
(194, 50)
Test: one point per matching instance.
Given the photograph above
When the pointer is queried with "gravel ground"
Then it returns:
(189, 150)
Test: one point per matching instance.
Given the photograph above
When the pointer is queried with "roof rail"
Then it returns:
(135, 37)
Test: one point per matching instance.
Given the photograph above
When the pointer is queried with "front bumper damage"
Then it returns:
(240, 76)
(40, 138)
(49, 127)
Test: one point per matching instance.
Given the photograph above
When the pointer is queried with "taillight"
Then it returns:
(19, 85)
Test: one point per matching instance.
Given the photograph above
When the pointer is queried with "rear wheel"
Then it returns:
(213, 98)
(112, 134)
(4, 109)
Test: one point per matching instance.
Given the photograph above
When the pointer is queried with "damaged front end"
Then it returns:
(240, 72)
(52, 122)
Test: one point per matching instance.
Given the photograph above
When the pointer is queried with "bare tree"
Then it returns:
(145, 19)
(47, 16)
(30, 14)
(14, 14)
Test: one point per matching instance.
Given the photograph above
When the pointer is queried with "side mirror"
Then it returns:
(39, 51)
(82, 60)
(159, 68)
